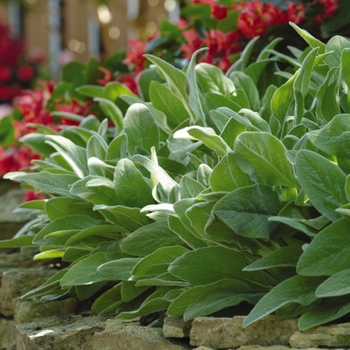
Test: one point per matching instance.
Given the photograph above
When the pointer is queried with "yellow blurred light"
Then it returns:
(170, 5)
(77, 46)
(104, 15)
(114, 33)
(151, 28)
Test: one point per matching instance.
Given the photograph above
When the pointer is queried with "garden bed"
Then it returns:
(67, 324)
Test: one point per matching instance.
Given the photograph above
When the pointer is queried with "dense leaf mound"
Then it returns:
(217, 193)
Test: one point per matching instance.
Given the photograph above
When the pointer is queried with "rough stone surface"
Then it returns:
(28, 311)
(57, 333)
(136, 337)
(9, 201)
(16, 282)
(259, 347)
(7, 334)
(226, 333)
(175, 327)
(337, 335)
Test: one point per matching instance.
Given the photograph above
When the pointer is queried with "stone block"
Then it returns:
(17, 282)
(28, 311)
(7, 334)
(226, 333)
(70, 332)
(337, 335)
(136, 337)
(175, 327)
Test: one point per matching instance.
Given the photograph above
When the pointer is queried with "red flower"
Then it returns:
(25, 73)
(295, 12)
(193, 43)
(5, 74)
(107, 76)
(219, 12)
(31, 195)
(134, 55)
(330, 6)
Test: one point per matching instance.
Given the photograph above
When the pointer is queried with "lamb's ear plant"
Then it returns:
(222, 194)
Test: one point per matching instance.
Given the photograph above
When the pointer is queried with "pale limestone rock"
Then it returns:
(7, 334)
(136, 337)
(28, 311)
(57, 333)
(16, 282)
(259, 347)
(225, 333)
(203, 348)
(337, 335)
(9, 201)
(175, 327)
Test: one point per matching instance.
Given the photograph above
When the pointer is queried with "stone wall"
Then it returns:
(66, 325)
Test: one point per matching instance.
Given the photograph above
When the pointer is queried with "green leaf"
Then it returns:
(262, 156)
(58, 207)
(128, 218)
(23, 241)
(120, 269)
(130, 291)
(207, 136)
(37, 142)
(327, 138)
(108, 302)
(207, 299)
(282, 257)
(62, 228)
(208, 265)
(140, 128)
(189, 187)
(212, 80)
(327, 96)
(95, 189)
(328, 252)
(84, 272)
(345, 62)
(74, 155)
(55, 184)
(176, 80)
(334, 286)
(149, 307)
(114, 89)
(325, 313)
(157, 262)
(246, 211)
(194, 99)
(164, 100)
(186, 235)
(283, 99)
(297, 289)
(323, 182)
(145, 80)
(131, 188)
(147, 239)
(95, 235)
(159, 173)
(336, 46)
(243, 82)
(117, 148)
(312, 41)
(91, 91)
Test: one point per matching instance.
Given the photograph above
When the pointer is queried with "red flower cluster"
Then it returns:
(33, 106)
(254, 19)
(16, 71)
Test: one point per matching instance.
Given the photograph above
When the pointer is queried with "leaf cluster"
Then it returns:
(222, 193)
